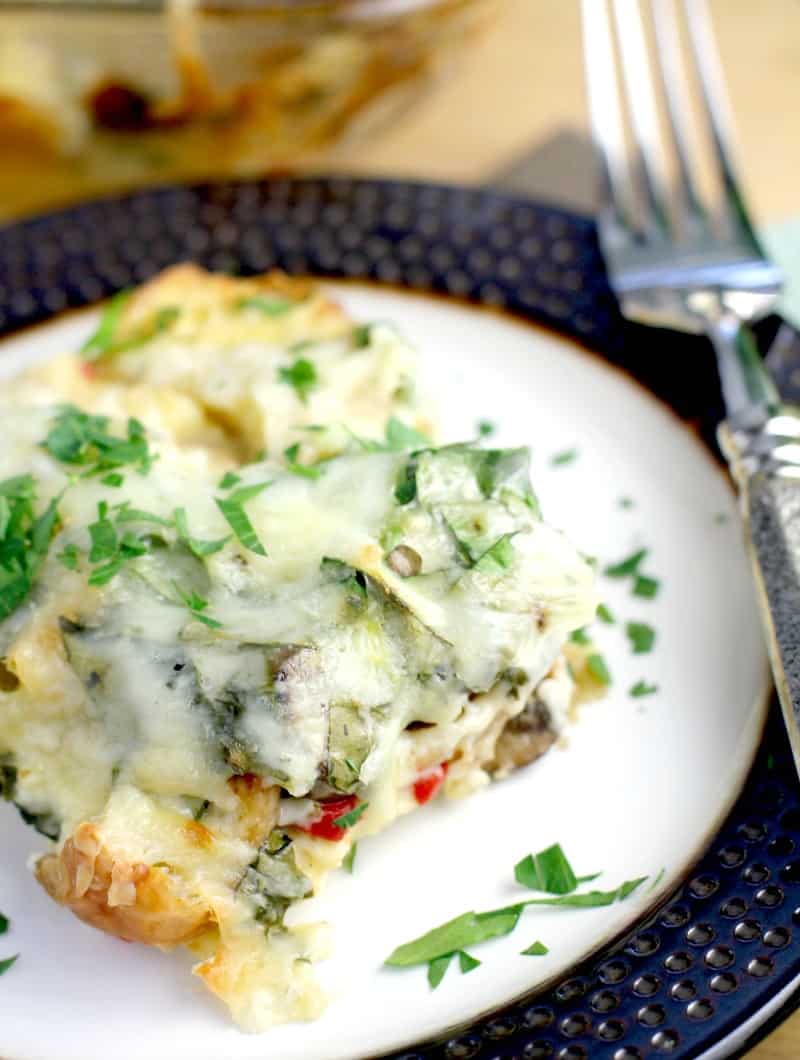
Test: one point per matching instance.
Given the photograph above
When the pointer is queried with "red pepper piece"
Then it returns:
(324, 826)
(428, 785)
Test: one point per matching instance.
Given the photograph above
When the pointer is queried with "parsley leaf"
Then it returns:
(626, 503)
(347, 820)
(196, 545)
(101, 341)
(642, 688)
(68, 556)
(485, 428)
(580, 636)
(301, 374)
(197, 606)
(269, 305)
(361, 335)
(400, 435)
(350, 858)
(3, 924)
(78, 439)
(627, 566)
(605, 614)
(596, 665)
(437, 969)
(536, 949)
(232, 507)
(641, 636)
(229, 480)
(498, 557)
(104, 539)
(126, 514)
(645, 586)
(548, 871)
(25, 540)
(305, 470)
(7, 963)
(566, 456)
(467, 962)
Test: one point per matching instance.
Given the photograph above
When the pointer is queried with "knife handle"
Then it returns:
(764, 459)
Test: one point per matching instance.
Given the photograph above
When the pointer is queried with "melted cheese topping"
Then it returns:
(406, 607)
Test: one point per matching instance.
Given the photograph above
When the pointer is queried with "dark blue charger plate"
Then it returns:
(719, 962)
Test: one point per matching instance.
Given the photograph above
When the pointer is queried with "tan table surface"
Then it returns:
(523, 83)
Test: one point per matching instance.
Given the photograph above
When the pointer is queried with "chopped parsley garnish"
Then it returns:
(113, 479)
(101, 341)
(269, 305)
(566, 456)
(485, 428)
(111, 550)
(196, 545)
(68, 557)
(628, 566)
(347, 820)
(641, 636)
(350, 858)
(229, 480)
(126, 514)
(437, 969)
(642, 688)
(197, 606)
(3, 924)
(604, 614)
(466, 962)
(548, 871)
(626, 503)
(7, 963)
(81, 440)
(536, 949)
(596, 665)
(103, 536)
(645, 586)
(498, 557)
(232, 507)
(361, 335)
(24, 542)
(469, 929)
(580, 636)
(301, 374)
(400, 435)
(304, 470)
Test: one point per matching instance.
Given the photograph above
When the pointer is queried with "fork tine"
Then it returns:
(715, 106)
(650, 162)
(673, 82)
(605, 115)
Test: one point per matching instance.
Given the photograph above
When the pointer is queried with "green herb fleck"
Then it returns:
(485, 428)
(604, 614)
(196, 545)
(302, 375)
(4, 922)
(361, 336)
(626, 503)
(7, 963)
(113, 479)
(229, 480)
(642, 688)
(271, 306)
(467, 962)
(548, 871)
(197, 606)
(400, 435)
(347, 820)
(645, 586)
(580, 636)
(536, 949)
(68, 556)
(596, 665)
(566, 456)
(498, 557)
(25, 540)
(304, 470)
(627, 566)
(350, 858)
(437, 969)
(101, 341)
(125, 514)
(232, 507)
(641, 636)
(81, 440)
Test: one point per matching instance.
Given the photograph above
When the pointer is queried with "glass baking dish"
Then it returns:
(96, 96)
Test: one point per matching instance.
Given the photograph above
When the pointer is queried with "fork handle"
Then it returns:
(765, 462)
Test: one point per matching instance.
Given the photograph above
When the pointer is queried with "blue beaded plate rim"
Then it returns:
(699, 975)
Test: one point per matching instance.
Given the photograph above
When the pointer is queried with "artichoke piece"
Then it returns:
(273, 881)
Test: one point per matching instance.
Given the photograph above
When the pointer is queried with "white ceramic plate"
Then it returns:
(639, 786)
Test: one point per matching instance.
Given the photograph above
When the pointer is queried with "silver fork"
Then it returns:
(680, 261)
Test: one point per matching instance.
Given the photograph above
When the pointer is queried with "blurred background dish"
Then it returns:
(105, 95)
